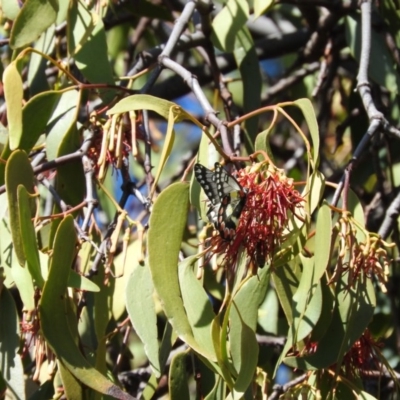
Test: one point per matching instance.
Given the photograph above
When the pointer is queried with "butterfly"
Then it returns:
(226, 195)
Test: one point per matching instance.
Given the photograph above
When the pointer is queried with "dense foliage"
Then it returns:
(199, 200)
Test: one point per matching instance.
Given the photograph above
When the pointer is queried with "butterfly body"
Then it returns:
(226, 195)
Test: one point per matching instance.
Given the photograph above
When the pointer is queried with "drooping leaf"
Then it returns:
(71, 385)
(37, 78)
(28, 235)
(11, 368)
(383, 72)
(218, 333)
(323, 238)
(33, 19)
(268, 313)
(70, 177)
(88, 46)
(151, 103)
(243, 320)
(249, 358)
(80, 282)
(167, 224)
(18, 172)
(178, 385)
(353, 312)
(228, 22)
(261, 6)
(286, 280)
(167, 147)
(35, 117)
(64, 115)
(54, 323)
(141, 310)
(249, 67)
(24, 282)
(197, 305)
(13, 93)
(307, 302)
(308, 111)
(10, 8)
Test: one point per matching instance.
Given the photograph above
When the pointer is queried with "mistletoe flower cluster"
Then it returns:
(362, 354)
(361, 258)
(271, 201)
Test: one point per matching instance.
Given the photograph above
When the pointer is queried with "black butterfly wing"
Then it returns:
(226, 195)
(232, 194)
(207, 181)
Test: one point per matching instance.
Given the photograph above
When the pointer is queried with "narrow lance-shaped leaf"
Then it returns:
(167, 225)
(178, 383)
(33, 19)
(141, 310)
(18, 172)
(53, 318)
(13, 93)
(167, 148)
(29, 242)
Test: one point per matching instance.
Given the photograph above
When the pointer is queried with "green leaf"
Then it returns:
(35, 117)
(383, 72)
(306, 107)
(316, 187)
(102, 317)
(18, 172)
(54, 323)
(218, 333)
(10, 8)
(33, 19)
(242, 326)
(124, 264)
(151, 103)
(228, 22)
(218, 391)
(167, 147)
(150, 388)
(268, 313)
(249, 358)
(328, 305)
(63, 117)
(307, 302)
(261, 6)
(11, 368)
(142, 313)
(286, 280)
(262, 141)
(37, 78)
(198, 307)
(249, 67)
(88, 46)
(63, 6)
(80, 282)
(72, 387)
(13, 93)
(178, 381)
(28, 235)
(353, 312)
(24, 282)
(167, 225)
(70, 177)
(323, 241)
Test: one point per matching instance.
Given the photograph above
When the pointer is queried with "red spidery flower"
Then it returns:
(362, 355)
(262, 219)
